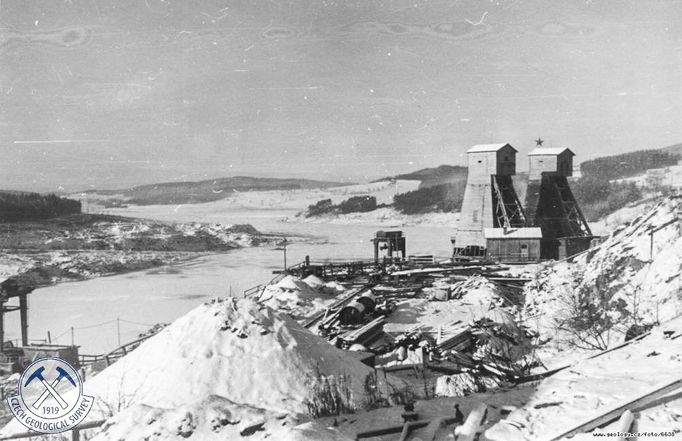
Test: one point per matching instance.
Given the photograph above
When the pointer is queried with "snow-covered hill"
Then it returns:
(596, 385)
(633, 277)
(222, 369)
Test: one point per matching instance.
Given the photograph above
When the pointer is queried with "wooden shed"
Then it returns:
(513, 245)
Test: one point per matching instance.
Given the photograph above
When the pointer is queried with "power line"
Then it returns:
(137, 323)
(97, 325)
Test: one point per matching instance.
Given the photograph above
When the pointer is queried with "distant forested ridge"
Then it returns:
(195, 192)
(442, 197)
(429, 177)
(627, 164)
(599, 197)
(598, 192)
(16, 206)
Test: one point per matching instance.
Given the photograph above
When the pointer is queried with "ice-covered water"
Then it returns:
(163, 294)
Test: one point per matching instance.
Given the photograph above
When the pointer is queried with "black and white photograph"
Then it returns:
(340, 220)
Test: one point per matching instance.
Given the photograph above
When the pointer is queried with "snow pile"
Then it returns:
(593, 386)
(313, 281)
(295, 296)
(253, 360)
(333, 287)
(631, 278)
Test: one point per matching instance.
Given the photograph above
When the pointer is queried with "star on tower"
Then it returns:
(538, 142)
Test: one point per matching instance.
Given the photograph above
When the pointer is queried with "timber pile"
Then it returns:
(364, 335)
(480, 357)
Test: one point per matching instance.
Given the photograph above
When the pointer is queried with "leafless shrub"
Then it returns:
(331, 395)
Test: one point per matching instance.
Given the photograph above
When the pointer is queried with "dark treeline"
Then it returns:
(33, 206)
(443, 197)
(627, 164)
(598, 192)
(355, 204)
(599, 197)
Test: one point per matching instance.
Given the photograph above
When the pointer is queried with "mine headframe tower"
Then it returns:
(490, 200)
(552, 206)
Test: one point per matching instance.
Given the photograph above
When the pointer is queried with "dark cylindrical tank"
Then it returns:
(369, 301)
(354, 312)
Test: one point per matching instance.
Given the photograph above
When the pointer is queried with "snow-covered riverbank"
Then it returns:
(383, 216)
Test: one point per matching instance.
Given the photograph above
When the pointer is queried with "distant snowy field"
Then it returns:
(297, 199)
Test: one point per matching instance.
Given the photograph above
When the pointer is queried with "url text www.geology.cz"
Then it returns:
(634, 434)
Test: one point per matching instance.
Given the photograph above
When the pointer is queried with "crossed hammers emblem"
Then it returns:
(50, 388)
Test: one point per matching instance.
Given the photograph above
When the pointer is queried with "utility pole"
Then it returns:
(283, 247)
(118, 330)
(72, 344)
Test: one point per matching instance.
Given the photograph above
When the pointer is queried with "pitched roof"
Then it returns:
(549, 151)
(513, 233)
(488, 148)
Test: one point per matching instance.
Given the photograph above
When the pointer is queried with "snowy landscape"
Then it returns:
(214, 327)
(342, 220)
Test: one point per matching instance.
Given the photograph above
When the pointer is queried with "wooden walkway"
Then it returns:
(110, 357)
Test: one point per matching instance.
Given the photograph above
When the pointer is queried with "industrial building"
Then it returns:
(517, 245)
(551, 206)
(494, 224)
(489, 198)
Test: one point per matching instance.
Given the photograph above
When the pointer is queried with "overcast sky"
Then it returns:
(112, 93)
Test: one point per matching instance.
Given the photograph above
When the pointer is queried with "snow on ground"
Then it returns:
(637, 279)
(470, 300)
(667, 176)
(606, 225)
(212, 419)
(299, 298)
(134, 229)
(592, 386)
(11, 265)
(222, 366)
(382, 216)
(300, 199)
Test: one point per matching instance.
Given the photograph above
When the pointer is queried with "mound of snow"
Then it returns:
(333, 287)
(635, 274)
(236, 350)
(313, 281)
(295, 297)
(292, 283)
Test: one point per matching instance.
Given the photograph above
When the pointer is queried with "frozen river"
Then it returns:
(163, 294)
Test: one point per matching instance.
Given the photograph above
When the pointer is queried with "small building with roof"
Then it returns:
(513, 245)
(491, 159)
(557, 161)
